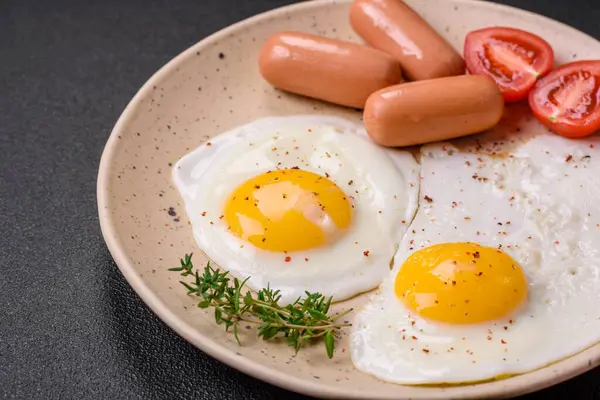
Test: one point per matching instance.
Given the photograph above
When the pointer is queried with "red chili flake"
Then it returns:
(468, 164)
(305, 259)
(208, 143)
(479, 159)
(512, 198)
(326, 175)
(212, 223)
(479, 273)
(274, 149)
(402, 330)
(444, 148)
(403, 221)
(350, 182)
(366, 253)
(395, 197)
(426, 351)
(476, 254)
(412, 323)
(569, 158)
(556, 242)
(591, 146)
(413, 337)
(505, 328)
(204, 213)
(502, 341)
(288, 259)
(510, 321)
(221, 217)
(489, 338)
(507, 222)
(467, 218)
(428, 199)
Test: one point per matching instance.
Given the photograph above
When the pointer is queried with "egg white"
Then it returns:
(383, 183)
(539, 203)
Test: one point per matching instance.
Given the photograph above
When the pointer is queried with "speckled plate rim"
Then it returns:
(513, 386)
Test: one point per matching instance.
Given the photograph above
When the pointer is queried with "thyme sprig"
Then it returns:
(300, 322)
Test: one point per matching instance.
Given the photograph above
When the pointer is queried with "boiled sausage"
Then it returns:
(428, 111)
(331, 70)
(392, 26)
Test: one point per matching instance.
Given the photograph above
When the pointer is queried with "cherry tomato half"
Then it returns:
(515, 59)
(567, 100)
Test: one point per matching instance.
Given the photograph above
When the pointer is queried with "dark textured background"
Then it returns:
(70, 326)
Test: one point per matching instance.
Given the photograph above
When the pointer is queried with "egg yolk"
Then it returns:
(288, 210)
(461, 283)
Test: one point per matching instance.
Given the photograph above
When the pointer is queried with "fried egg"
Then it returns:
(499, 273)
(302, 203)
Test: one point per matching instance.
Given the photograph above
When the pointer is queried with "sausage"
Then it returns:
(326, 69)
(433, 110)
(392, 26)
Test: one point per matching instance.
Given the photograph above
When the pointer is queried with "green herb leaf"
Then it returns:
(268, 332)
(235, 333)
(190, 288)
(204, 304)
(329, 339)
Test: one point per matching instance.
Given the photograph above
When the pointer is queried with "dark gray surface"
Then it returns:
(70, 326)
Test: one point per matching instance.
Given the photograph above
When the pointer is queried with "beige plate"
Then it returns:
(214, 86)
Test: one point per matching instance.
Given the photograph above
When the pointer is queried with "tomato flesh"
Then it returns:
(567, 100)
(515, 59)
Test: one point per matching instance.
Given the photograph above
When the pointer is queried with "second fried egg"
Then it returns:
(499, 273)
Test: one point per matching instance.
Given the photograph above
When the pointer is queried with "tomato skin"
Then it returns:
(548, 99)
(484, 45)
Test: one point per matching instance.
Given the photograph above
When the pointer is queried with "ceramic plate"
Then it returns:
(215, 86)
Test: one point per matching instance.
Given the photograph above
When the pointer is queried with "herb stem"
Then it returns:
(300, 322)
